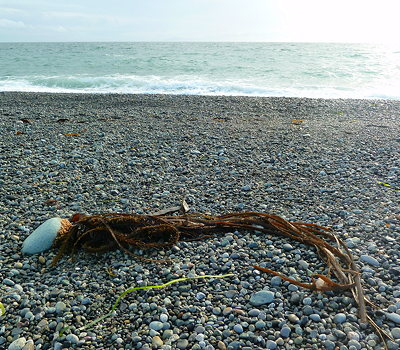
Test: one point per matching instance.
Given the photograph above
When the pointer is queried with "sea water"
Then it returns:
(328, 70)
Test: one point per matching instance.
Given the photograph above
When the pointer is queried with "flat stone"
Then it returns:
(156, 325)
(262, 297)
(369, 260)
(17, 344)
(392, 316)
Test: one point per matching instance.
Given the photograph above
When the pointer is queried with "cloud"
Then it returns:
(11, 11)
(93, 18)
(8, 23)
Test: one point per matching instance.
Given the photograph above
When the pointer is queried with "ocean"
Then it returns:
(321, 70)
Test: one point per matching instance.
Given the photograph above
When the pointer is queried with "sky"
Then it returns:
(200, 20)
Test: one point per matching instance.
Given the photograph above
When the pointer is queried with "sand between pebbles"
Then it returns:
(65, 153)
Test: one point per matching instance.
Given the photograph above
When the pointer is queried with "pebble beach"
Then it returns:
(332, 162)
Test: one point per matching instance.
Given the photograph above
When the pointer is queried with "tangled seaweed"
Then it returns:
(104, 232)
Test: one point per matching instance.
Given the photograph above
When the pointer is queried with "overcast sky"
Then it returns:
(200, 20)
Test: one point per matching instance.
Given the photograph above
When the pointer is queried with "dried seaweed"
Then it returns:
(104, 232)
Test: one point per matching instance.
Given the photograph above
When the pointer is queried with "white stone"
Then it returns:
(43, 237)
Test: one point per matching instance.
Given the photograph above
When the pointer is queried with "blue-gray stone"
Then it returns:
(303, 264)
(200, 296)
(308, 310)
(392, 316)
(315, 317)
(276, 281)
(260, 324)
(262, 297)
(287, 247)
(354, 343)
(285, 332)
(396, 333)
(42, 238)
(17, 344)
(369, 260)
(238, 328)
(72, 338)
(329, 345)
(60, 307)
(8, 282)
(86, 301)
(339, 318)
(271, 344)
(156, 325)
(254, 312)
(307, 301)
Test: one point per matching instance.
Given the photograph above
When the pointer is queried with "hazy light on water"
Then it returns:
(254, 69)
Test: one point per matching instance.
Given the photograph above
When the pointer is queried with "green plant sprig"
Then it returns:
(2, 309)
(123, 294)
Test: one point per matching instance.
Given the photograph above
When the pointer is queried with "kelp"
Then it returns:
(103, 232)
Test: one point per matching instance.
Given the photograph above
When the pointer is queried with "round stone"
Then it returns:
(60, 307)
(339, 318)
(276, 281)
(354, 343)
(182, 344)
(329, 345)
(271, 344)
(163, 318)
(396, 333)
(238, 328)
(260, 324)
(287, 247)
(254, 312)
(72, 338)
(157, 342)
(285, 332)
(315, 317)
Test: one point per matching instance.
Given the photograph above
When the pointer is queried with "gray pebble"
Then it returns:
(276, 281)
(396, 333)
(182, 344)
(17, 344)
(315, 317)
(262, 297)
(271, 344)
(156, 325)
(369, 260)
(354, 343)
(394, 317)
(285, 332)
(329, 345)
(339, 318)
(238, 328)
(287, 247)
(72, 338)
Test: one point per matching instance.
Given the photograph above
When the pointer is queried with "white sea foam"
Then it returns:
(263, 69)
